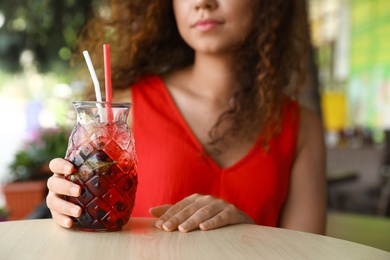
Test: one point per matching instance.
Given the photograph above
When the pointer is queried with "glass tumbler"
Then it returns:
(101, 147)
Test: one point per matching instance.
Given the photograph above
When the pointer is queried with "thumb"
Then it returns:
(159, 210)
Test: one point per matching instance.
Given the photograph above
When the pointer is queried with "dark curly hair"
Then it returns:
(145, 40)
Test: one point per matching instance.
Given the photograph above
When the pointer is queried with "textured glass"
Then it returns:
(103, 153)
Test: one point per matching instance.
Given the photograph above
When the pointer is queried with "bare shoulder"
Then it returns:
(311, 127)
(308, 116)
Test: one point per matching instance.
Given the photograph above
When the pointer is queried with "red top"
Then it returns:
(173, 165)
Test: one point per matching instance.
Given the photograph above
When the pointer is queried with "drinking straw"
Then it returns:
(107, 74)
(96, 84)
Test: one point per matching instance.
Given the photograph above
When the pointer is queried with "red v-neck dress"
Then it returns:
(173, 165)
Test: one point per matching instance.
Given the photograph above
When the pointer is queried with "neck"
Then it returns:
(212, 77)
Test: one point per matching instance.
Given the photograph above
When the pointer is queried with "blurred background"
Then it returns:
(349, 69)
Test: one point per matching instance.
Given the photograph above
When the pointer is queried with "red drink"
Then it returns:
(103, 154)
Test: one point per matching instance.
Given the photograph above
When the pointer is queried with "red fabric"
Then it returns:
(173, 165)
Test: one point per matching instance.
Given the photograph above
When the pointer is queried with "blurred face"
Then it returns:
(213, 26)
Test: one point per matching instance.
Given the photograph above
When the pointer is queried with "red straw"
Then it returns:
(107, 74)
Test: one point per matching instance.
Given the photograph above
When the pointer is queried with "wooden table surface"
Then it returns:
(139, 239)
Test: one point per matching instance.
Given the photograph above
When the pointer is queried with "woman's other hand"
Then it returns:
(198, 211)
(60, 209)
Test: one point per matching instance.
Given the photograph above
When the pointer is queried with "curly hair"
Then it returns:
(145, 41)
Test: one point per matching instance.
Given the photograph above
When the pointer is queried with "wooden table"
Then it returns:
(43, 239)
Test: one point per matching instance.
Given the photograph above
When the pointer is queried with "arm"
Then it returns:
(305, 208)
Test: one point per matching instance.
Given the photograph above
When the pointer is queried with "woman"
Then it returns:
(219, 138)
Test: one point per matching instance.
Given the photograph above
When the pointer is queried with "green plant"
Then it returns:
(31, 160)
(3, 214)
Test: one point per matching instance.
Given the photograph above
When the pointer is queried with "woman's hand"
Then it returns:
(60, 209)
(198, 211)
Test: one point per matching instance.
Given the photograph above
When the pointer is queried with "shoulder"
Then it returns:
(311, 131)
(309, 120)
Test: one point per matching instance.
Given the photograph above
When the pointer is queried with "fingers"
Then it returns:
(228, 216)
(201, 215)
(61, 206)
(179, 219)
(61, 210)
(62, 186)
(225, 217)
(62, 220)
(61, 166)
(176, 214)
(187, 214)
(159, 211)
(198, 211)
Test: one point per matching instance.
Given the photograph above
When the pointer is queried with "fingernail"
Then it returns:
(74, 211)
(167, 226)
(203, 226)
(75, 191)
(68, 168)
(184, 227)
(67, 223)
(159, 223)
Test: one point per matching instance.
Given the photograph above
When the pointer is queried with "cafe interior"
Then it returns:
(348, 85)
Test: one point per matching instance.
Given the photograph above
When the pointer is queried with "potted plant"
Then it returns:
(3, 214)
(26, 185)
